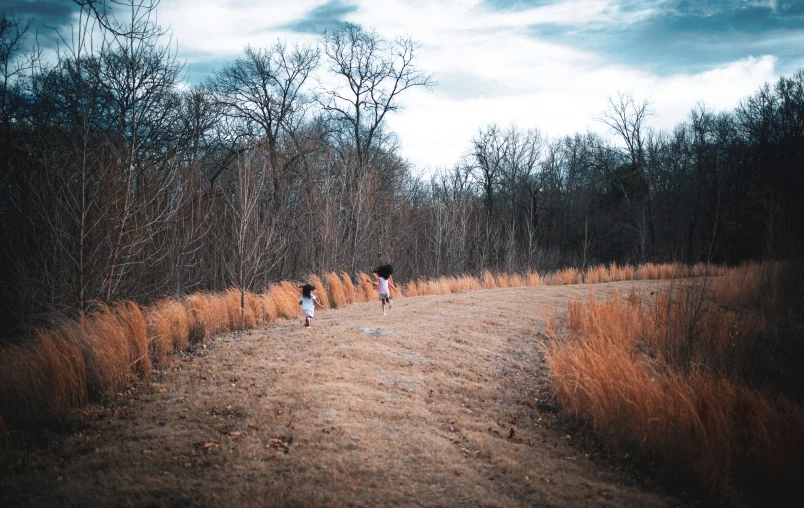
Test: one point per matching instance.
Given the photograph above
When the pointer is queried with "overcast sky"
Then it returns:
(549, 64)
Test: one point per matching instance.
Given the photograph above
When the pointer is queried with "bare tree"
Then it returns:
(626, 117)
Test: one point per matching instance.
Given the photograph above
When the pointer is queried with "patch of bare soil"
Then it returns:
(444, 402)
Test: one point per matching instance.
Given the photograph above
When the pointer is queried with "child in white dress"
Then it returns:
(308, 303)
(383, 275)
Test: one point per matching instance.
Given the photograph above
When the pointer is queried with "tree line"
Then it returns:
(119, 181)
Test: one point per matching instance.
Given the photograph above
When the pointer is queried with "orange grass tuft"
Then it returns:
(533, 278)
(320, 291)
(652, 378)
(168, 329)
(365, 289)
(348, 288)
(44, 378)
(109, 352)
(409, 289)
(285, 297)
(596, 274)
(337, 296)
(566, 276)
(488, 280)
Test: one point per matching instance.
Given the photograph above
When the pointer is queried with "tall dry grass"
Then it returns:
(365, 289)
(63, 366)
(320, 291)
(335, 291)
(348, 288)
(168, 329)
(678, 379)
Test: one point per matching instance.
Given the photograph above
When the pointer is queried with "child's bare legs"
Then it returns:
(307, 321)
(383, 300)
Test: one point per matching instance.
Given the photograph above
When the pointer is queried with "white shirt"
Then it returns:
(383, 286)
(307, 303)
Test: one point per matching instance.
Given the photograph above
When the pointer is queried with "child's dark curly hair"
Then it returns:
(384, 271)
(307, 290)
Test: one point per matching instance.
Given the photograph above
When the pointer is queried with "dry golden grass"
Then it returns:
(565, 276)
(320, 291)
(348, 287)
(663, 379)
(285, 297)
(533, 278)
(365, 289)
(488, 280)
(109, 352)
(270, 314)
(423, 406)
(168, 329)
(752, 285)
(596, 274)
(409, 289)
(337, 296)
(106, 347)
(44, 378)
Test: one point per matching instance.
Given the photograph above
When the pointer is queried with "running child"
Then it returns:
(383, 274)
(308, 303)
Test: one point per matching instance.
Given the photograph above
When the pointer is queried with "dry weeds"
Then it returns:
(437, 404)
(672, 377)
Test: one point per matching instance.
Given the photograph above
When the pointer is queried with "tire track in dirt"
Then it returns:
(444, 402)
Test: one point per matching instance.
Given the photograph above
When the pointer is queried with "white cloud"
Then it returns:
(494, 68)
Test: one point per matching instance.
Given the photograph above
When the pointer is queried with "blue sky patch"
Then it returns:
(326, 17)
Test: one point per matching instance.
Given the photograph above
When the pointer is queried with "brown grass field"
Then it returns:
(447, 401)
(444, 402)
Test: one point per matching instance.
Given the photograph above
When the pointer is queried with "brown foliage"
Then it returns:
(43, 378)
(348, 287)
(168, 329)
(337, 295)
(320, 291)
(365, 289)
(666, 379)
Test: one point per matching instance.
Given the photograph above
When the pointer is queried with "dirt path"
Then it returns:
(444, 402)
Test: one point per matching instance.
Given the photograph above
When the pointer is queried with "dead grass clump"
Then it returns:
(365, 289)
(752, 285)
(501, 280)
(648, 271)
(254, 310)
(596, 274)
(409, 289)
(199, 319)
(533, 278)
(168, 329)
(320, 291)
(465, 283)
(662, 379)
(434, 288)
(422, 288)
(446, 284)
(488, 280)
(130, 317)
(107, 350)
(348, 287)
(566, 276)
(337, 296)
(44, 378)
(285, 297)
(515, 280)
(235, 315)
(268, 307)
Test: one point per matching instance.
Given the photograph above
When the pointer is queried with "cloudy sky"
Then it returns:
(549, 64)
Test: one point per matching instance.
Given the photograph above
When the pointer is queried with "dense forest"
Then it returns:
(120, 181)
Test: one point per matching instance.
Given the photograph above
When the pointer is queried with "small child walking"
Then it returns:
(308, 303)
(383, 274)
